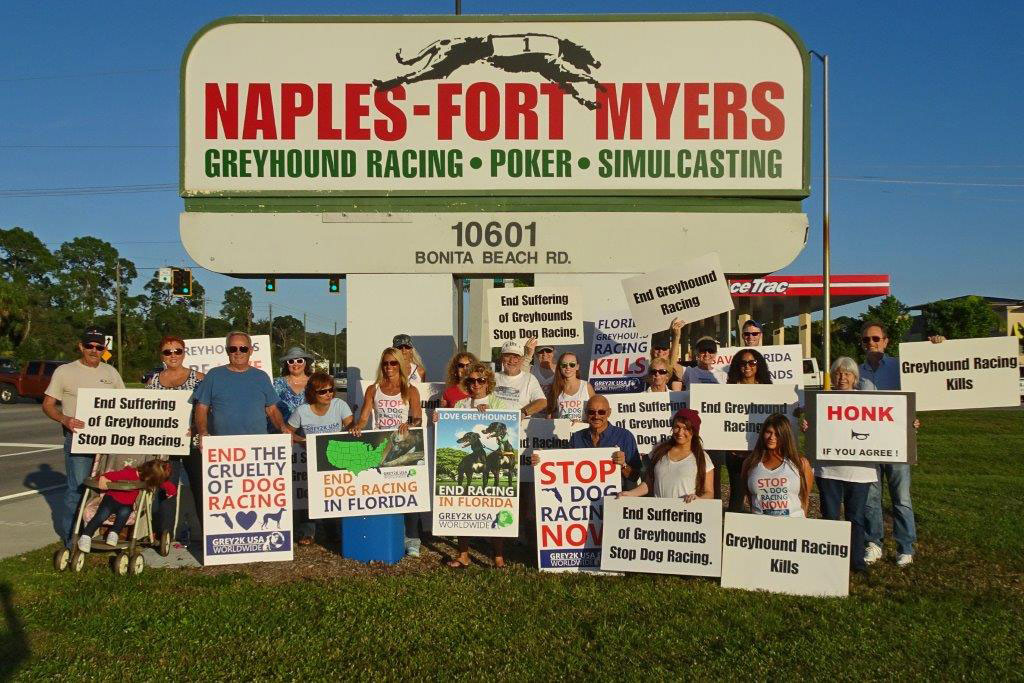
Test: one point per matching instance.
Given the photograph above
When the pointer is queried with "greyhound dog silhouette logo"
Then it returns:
(560, 61)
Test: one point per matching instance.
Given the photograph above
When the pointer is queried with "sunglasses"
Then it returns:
(476, 380)
(752, 363)
(656, 371)
(173, 352)
(751, 334)
(462, 365)
(873, 338)
(597, 412)
(567, 365)
(323, 392)
(296, 361)
(403, 347)
(94, 347)
(545, 350)
(238, 349)
(389, 363)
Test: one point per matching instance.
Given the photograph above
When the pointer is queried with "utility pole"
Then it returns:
(248, 321)
(305, 345)
(826, 248)
(117, 283)
(270, 314)
(202, 329)
(335, 364)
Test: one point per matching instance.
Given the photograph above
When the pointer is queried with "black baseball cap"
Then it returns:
(401, 340)
(661, 340)
(706, 344)
(93, 334)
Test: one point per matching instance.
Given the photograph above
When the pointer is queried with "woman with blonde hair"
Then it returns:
(777, 477)
(410, 358)
(454, 374)
(568, 394)
(658, 375)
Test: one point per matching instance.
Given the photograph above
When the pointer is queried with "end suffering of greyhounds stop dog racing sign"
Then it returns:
(551, 315)
(133, 421)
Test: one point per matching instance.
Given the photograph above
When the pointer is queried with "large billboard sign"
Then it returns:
(710, 105)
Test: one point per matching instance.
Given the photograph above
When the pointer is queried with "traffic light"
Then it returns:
(334, 285)
(270, 284)
(181, 282)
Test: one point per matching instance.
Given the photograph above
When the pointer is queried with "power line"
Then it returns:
(88, 146)
(97, 190)
(92, 74)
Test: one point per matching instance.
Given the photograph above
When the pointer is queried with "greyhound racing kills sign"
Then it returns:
(478, 105)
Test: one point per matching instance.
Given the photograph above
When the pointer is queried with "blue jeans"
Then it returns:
(904, 529)
(108, 506)
(852, 496)
(78, 468)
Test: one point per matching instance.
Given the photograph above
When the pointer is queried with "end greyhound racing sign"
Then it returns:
(588, 104)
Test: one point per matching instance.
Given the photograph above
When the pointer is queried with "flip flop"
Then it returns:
(455, 564)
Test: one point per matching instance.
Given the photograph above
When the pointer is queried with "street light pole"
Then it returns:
(826, 246)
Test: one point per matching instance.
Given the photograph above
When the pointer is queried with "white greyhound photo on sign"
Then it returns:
(204, 354)
(785, 362)
(551, 315)
(962, 373)
(692, 291)
(861, 427)
(732, 414)
(647, 416)
(133, 422)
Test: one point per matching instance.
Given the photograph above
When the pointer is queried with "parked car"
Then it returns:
(30, 382)
(813, 378)
(340, 380)
(8, 365)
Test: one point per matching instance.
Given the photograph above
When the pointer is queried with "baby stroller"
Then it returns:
(125, 556)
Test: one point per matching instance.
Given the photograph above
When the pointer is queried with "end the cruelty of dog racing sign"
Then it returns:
(476, 473)
(962, 373)
(483, 105)
(378, 472)
(662, 536)
(793, 555)
(551, 315)
(133, 422)
(571, 486)
(732, 414)
(871, 427)
(203, 354)
(692, 291)
(540, 434)
(247, 499)
(785, 362)
(618, 355)
(648, 416)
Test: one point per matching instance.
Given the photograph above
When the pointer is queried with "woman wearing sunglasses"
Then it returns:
(776, 478)
(456, 372)
(296, 367)
(748, 367)
(568, 393)
(658, 376)
(410, 358)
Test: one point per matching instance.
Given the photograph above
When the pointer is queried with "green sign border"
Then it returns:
(475, 198)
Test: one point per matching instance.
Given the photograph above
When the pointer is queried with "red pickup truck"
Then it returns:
(31, 382)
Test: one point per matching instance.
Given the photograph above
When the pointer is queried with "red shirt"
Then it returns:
(132, 474)
(452, 395)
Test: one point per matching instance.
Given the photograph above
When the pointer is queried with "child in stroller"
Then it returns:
(120, 503)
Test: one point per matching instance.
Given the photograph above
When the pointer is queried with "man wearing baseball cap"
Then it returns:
(515, 386)
(751, 333)
(88, 372)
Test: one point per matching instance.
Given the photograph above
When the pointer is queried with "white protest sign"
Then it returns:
(133, 421)
(648, 416)
(571, 486)
(247, 499)
(203, 354)
(430, 399)
(785, 362)
(375, 473)
(732, 414)
(551, 315)
(961, 373)
(692, 291)
(618, 354)
(662, 536)
(543, 435)
(861, 426)
(793, 555)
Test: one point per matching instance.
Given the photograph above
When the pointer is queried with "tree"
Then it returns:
(894, 316)
(87, 275)
(963, 318)
(26, 285)
(237, 308)
(287, 333)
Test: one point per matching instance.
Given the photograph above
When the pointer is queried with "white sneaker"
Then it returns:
(111, 538)
(873, 553)
(904, 559)
(85, 543)
(413, 551)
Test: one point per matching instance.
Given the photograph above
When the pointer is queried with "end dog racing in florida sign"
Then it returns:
(691, 291)
(247, 499)
(476, 473)
(540, 434)
(961, 373)
(793, 555)
(570, 489)
(133, 422)
(378, 472)
(203, 354)
(861, 427)
(648, 416)
(592, 105)
(551, 315)
(618, 355)
(662, 536)
(732, 414)
(785, 362)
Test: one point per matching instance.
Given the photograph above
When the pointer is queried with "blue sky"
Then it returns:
(927, 155)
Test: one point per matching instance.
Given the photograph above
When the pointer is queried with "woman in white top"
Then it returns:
(395, 404)
(568, 393)
(777, 477)
(679, 468)
(658, 376)
(410, 358)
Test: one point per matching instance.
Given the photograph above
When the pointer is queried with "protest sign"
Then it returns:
(861, 426)
(378, 472)
(430, 400)
(785, 362)
(618, 355)
(692, 291)
(571, 486)
(961, 373)
(794, 555)
(551, 315)
(662, 536)
(540, 434)
(648, 416)
(300, 477)
(133, 421)
(732, 414)
(203, 354)
(247, 499)
(476, 473)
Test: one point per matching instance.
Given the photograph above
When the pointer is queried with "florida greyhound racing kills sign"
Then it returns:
(618, 355)
(691, 291)
(961, 373)
(551, 315)
(132, 421)
(861, 426)
(247, 499)
(570, 488)
(472, 105)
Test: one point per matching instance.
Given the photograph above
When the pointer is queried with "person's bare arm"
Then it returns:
(709, 484)
(805, 499)
(364, 410)
(534, 407)
(640, 490)
(677, 341)
(51, 411)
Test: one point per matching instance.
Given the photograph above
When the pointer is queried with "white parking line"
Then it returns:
(31, 493)
(35, 450)
(29, 445)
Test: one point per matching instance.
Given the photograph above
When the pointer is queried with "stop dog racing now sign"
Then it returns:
(861, 427)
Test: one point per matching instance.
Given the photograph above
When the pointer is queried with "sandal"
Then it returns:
(455, 564)
(305, 541)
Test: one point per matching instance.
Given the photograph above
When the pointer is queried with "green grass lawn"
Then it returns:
(957, 612)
